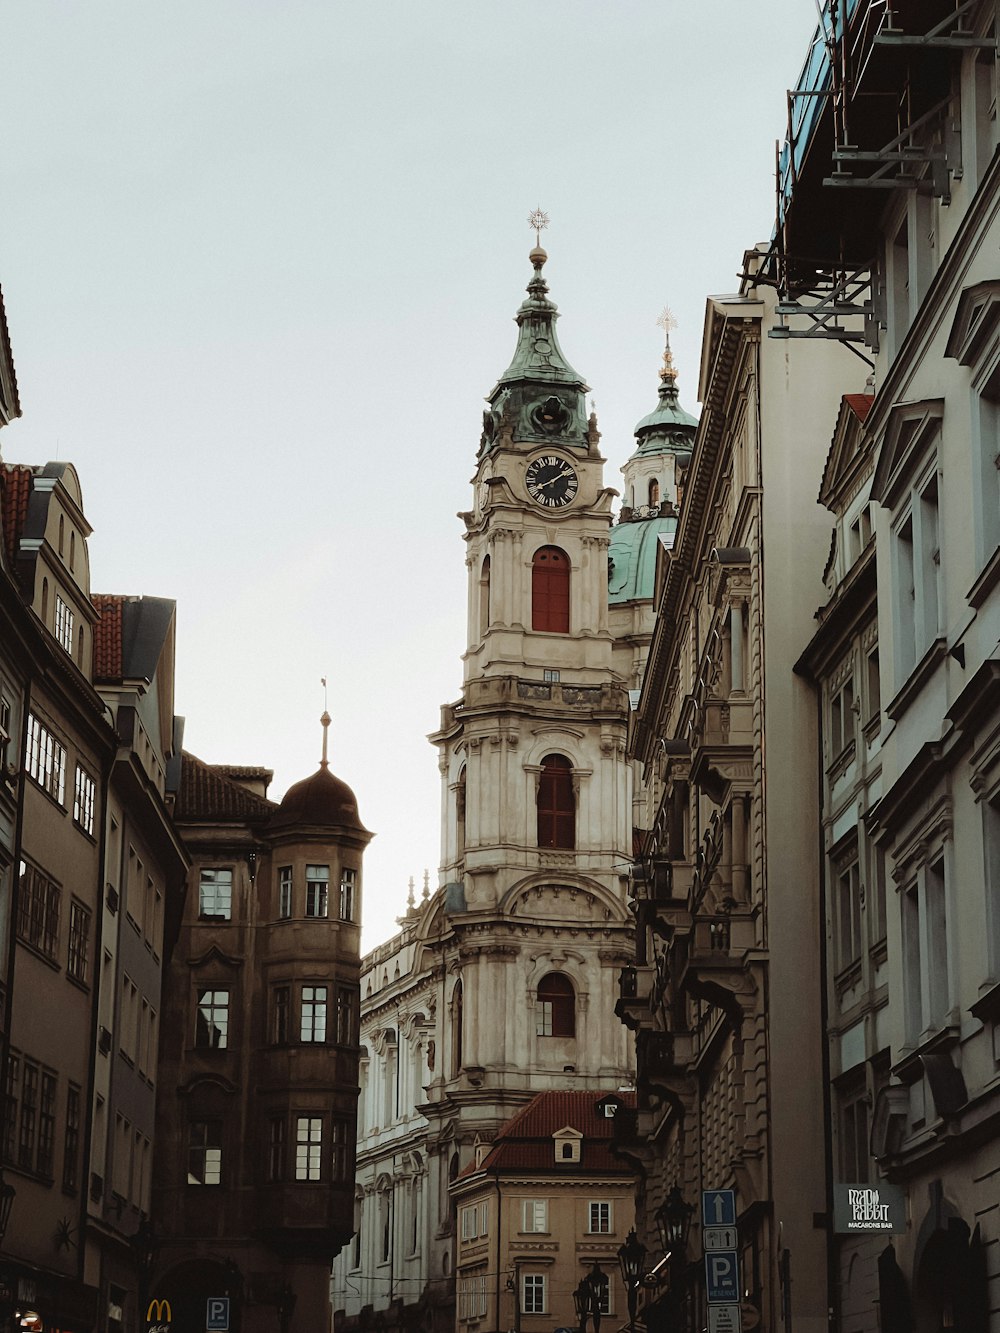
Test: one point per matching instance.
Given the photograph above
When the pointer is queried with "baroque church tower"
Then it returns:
(537, 818)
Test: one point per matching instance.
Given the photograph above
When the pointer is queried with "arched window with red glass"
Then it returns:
(550, 590)
(556, 803)
(556, 1012)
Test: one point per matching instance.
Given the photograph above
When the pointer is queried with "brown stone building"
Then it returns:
(258, 1078)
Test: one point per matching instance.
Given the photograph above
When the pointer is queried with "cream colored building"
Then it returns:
(502, 983)
(724, 996)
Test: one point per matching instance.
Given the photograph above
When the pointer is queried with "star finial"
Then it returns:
(667, 322)
(539, 221)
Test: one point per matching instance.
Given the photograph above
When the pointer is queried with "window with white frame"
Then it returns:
(84, 792)
(926, 985)
(45, 759)
(476, 1220)
(348, 891)
(535, 1215)
(285, 892)
(204, 1152)
(472, 1297)
(847, 894)
(64, 624)
(599, 1218)
(534, 1293)
(308, 1147)
(312, 1025)
(212, 1021)
(917, 552)
(317, 891)
(842, 717)
(215, 893)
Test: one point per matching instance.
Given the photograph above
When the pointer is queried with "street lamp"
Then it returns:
(632, 1257)
(596, 1284)
(581, 1300)
(673, 1221)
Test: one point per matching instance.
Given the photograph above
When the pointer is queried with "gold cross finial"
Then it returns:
(667, 322)
(539, 221)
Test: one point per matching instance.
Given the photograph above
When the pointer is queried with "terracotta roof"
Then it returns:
(206, 793)
(15, 492)
(526, 1143)
(108, 637)
(859, 403)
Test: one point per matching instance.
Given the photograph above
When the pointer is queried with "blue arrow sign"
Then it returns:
(722, 1277)
(718, 1208)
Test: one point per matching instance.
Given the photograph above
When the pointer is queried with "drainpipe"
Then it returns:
(496, 1182)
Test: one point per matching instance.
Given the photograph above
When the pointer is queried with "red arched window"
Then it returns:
(550, 590)
(556, 803)
(556, 1006)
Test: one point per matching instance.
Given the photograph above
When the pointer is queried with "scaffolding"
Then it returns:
(873, 111)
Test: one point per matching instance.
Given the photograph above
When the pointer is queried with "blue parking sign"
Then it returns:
(217, 1314)
(722, 1277)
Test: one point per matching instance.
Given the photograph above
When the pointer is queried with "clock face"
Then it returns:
(551, 481)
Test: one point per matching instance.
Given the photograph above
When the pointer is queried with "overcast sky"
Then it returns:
(260, 262)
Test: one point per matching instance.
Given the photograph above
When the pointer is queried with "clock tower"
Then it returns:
(532, 928)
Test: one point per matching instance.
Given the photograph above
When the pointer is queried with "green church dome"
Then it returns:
(632, 558)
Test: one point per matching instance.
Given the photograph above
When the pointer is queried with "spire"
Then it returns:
(668, 427)
(427, 886)
(325, 724)
(539, 397)
(538, 356)
(411, 900)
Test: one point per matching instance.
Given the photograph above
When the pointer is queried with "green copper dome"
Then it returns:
(632, 558)
(539, 397)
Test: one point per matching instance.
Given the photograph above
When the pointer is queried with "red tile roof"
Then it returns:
(15, 492)
(108, 638)
(859, 403)
(206, 793)
(526, 1143)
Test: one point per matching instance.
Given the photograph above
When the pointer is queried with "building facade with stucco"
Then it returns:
(502, 982)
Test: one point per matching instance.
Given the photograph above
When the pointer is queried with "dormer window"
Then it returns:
(64, 625)
(567, 1145)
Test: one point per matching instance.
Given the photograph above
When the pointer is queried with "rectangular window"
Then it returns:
(599, 1218)
(215, 894)
(472, 1297)
(276, 1149)
(71, 1140)
(64, 625)
(205, 1152)
(308, 1147)
(45, 760)
(317, 891)
(848, 891)
(470, 1222)
(285, 892)
(533, 1293)
(39, 902)
(5, 725)
(339, 1157)
(551, 675)
(348, 888)
(313, 1014)
(854, 1129)
(212, 1022)
(78, 965)
(535, 1215)
(842, 718)
(47, 1124)
(84, 793)
(347, 1008)
(874, 688)
(29, 1117)
(12, 1084)
(282, 1007)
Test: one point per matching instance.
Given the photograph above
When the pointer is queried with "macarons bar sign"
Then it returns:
(868, 1208)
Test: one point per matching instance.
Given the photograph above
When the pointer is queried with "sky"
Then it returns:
(260, 260)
